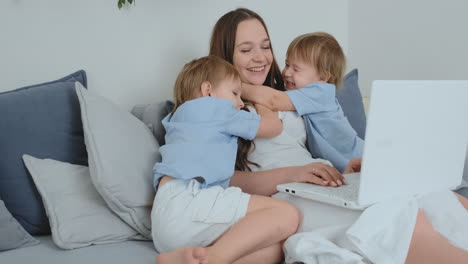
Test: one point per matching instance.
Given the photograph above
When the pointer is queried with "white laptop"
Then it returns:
(416, 142)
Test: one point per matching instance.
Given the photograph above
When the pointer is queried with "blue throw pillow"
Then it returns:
(44, 121)
(350, 99)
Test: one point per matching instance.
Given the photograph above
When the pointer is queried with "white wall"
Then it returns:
(401, 39)
(132, 56)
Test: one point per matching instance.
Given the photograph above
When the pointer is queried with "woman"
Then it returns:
(241, 38)
(253, 57)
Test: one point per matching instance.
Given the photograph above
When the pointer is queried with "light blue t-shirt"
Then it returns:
(330, 136)
(201, 141)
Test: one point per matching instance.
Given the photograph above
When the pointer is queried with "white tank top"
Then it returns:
(287, 149)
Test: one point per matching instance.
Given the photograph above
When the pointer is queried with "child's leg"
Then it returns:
(429, 246)
(268, 221)
(188, 255)
(271, 254)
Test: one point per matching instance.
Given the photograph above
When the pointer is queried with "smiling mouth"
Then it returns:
(288, 83)
(257, 69)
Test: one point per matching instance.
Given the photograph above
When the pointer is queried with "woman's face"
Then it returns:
(252, 53)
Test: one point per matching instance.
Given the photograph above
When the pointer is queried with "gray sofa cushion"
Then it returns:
(115, 253)
(78, 215)
(12, 234)
(152, 114)
(122, 152)
(44, 121)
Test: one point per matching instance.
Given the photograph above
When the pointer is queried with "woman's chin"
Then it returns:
(256, 80)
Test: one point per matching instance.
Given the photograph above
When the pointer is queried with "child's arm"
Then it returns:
(270, 124)
(354, 165)
(269, 97)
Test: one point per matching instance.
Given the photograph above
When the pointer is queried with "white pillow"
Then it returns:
(121, 155)
(78, 215)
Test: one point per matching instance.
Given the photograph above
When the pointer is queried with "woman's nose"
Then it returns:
(258, 56)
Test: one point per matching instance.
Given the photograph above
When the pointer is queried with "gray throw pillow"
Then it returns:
(152, 115)
(12, 234)
(78, 215)
(41, 120)
(350, 99)
(122, 152)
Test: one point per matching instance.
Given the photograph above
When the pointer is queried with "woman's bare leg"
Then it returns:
(429, 246)
(462, 200)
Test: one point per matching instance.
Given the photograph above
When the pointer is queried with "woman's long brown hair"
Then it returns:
(222, 44)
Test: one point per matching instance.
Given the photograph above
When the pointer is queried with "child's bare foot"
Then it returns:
(188, 255)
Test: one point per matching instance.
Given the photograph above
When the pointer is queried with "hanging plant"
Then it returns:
(121, 3)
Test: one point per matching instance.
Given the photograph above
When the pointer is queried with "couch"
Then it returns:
(76, 172)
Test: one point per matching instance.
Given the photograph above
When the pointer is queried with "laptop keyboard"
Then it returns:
(347, 192)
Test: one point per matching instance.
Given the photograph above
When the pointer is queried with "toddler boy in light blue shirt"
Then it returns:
(195, 210)
(201, 140)
(314, 69)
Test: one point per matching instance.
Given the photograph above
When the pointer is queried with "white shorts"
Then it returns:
(186, 215)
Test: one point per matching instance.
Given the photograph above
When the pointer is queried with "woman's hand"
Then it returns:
(319, 173)
(354, 165)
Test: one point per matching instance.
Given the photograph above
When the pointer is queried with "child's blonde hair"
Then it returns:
(322, 51)
(210, 69)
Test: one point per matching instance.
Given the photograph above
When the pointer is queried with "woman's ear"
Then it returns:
(205, 88)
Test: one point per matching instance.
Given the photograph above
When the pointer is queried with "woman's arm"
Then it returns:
(264, 182)
(270, 124)
(269, 97)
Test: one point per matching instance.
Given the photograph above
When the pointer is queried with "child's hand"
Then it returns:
(320, 174)
(354, 165)
(270, 124)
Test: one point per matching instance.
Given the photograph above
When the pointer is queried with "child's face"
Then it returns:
(297, 74)
(252, 53)
(229, 89)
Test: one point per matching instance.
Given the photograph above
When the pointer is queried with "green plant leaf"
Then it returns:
(121, 3)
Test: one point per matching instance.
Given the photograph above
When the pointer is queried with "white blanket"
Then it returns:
(382, 233)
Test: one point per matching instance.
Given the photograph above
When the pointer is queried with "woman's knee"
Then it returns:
(423, 226)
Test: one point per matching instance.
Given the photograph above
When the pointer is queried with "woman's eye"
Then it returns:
(266, 47)
(245, 51)
(234, 93)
